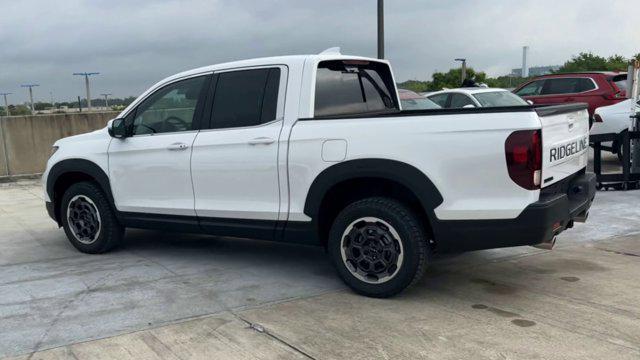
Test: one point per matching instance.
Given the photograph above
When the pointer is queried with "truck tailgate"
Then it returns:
(565, 141)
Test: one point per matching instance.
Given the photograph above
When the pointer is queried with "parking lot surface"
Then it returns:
(172, 296)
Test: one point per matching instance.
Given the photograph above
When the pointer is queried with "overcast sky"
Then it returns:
(133, 44)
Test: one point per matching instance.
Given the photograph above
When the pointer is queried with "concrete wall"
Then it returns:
(28, 139)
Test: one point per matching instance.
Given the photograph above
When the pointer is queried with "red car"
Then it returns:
(597, 88)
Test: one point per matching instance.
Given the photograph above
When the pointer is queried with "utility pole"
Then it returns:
(380, 29)
(31, 86)
(6, 104)
(464, 69)
(86, 82)
(106, 100)
(4, 140)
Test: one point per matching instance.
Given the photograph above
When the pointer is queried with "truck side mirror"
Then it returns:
(117, 129)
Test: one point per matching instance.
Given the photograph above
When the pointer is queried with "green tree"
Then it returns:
(591, 62)
(415, 85)
(452, 78)
(506, 82)
(38, 106)
(617, 62)
(584, 62)
(19, 110)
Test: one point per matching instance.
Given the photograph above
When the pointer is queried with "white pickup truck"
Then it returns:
(316, 149)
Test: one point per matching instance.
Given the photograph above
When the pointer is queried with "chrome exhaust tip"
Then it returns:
(546, 245)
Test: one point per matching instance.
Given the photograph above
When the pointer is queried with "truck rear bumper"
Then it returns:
(540, 222)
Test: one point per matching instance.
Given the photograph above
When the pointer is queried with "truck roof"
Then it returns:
(276, 60)
(292, 61)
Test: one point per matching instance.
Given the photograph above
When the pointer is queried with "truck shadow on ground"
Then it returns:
(446, 274)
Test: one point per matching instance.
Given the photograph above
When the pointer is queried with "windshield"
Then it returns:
(418, 104)
(499, 98)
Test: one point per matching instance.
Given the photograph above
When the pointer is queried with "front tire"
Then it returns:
(379, 247)
(88, 220)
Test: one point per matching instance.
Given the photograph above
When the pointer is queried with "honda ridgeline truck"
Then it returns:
(316, 149)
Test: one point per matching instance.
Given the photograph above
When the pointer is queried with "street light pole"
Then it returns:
(86, 82)
(6, 104)
(106, 100)
(380, 29)
(464, 68)
(2, 137)
(31, 86)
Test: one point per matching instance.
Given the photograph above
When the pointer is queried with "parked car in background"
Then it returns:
(613, 119)
(597, 89)
(411, 100)
(475, 97)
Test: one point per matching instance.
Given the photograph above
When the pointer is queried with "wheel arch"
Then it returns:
(68, 172)
(369, 177)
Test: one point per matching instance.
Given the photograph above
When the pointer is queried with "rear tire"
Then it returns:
(88, 220)
(379, 247)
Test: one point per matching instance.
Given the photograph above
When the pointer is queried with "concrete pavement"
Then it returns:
(167, 296)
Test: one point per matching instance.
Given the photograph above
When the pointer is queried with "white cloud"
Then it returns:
(135, 43)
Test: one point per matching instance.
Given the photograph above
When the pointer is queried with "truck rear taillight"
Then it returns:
(617, 96)
(523, 150)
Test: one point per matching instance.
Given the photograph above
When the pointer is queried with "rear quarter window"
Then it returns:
(567, 86)
(354, 87)
(620, 81)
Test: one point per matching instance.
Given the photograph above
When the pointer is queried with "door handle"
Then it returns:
(177, 146)
(263, 140)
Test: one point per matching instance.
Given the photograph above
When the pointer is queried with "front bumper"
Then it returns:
(559, 206)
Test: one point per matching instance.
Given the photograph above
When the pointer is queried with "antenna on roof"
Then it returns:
(331, 51)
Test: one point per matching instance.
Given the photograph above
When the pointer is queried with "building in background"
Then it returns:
(536, 70)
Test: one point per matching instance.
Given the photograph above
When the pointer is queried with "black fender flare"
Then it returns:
(403, 173)
(78, 166)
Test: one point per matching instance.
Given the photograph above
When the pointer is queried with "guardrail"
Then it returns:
(25, 141)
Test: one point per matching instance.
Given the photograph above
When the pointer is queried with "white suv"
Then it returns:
(315, 149)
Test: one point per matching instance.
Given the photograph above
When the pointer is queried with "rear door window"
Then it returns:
(245, 98)
(567, 86)
(354, 87)
(585, 84)
(440, 99)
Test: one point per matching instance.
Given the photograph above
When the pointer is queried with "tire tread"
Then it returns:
(413, 226)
